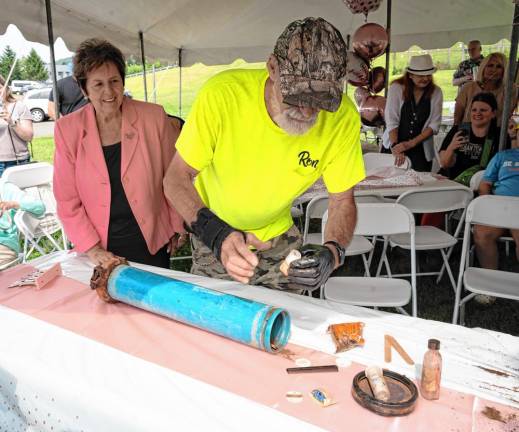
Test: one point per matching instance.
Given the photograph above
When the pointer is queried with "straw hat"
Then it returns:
(421, 65)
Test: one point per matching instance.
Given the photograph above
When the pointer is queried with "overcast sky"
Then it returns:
(14, 38)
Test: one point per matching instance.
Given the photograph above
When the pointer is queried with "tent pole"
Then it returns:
(388, 48)
(180, 82)
(143, 60)
(512, 62)
(52, 58)
(348, 41)
(154, 93)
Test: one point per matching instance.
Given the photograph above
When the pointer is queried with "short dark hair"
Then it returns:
(475, 41)
(93, 53)
(487, 98)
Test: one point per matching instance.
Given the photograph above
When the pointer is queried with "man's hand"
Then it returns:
(237, 258)
(313, 269)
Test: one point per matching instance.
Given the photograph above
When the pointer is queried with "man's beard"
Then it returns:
(293, 122)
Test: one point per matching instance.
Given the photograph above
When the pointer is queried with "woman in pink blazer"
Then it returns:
(110, 159)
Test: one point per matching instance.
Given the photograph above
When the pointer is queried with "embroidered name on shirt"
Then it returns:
(305, 159)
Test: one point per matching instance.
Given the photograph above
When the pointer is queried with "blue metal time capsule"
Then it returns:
(256, 324)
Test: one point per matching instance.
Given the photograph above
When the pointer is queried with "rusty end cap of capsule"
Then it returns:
(99, 279)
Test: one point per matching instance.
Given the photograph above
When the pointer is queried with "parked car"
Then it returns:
(37, 101)
(21, 86)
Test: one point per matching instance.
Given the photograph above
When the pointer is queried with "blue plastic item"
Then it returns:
(252, 323)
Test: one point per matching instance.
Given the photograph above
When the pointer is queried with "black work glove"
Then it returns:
(211, 230)
(313, 269)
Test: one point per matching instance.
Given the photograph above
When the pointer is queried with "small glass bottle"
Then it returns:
(431, 371)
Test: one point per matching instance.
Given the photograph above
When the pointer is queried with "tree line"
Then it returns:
(30, 67)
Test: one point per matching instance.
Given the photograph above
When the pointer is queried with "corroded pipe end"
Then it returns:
(99, 279)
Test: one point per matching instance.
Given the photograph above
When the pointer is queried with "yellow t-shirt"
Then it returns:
(250, 170)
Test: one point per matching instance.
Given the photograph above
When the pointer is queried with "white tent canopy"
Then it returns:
(219, 31)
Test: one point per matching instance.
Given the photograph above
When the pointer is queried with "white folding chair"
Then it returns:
(474, 185)
(431, 200)
(36, 180)
(359, 245)
(374, 291)
(475, 180)
(377, 160)
(314, 210)
(496, 211)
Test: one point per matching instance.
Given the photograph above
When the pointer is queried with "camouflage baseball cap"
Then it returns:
(312, 64)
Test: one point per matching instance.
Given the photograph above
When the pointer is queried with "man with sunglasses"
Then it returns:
(253, 142)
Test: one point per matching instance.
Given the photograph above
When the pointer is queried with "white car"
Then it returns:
(21, 86)
(37, 101)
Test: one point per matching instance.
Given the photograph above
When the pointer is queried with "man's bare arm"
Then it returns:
(235, 256)
(51, 110)
(180, 191)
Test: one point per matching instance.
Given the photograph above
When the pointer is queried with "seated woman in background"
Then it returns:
(413, 114)
(501, 178)
(490, 79)
(110, 159)
(11, 200)
(468, 148)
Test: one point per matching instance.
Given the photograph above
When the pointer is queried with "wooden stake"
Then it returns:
(390, 341)
(387, 348)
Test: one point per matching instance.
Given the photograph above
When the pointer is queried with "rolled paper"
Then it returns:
(377, 382)
(294, 255)
(256, 324)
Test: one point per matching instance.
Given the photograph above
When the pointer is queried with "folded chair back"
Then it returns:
(435, 200)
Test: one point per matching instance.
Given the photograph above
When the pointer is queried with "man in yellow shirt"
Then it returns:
(254, 141)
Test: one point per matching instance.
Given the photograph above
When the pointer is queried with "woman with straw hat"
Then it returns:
(413, 114)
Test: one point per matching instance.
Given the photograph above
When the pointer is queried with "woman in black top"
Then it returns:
(464, 146)
(413, 114)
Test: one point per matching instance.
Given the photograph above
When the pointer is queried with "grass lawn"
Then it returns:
(43, 149)
(193, 77)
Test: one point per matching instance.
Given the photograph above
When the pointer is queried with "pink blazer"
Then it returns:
(82, 185)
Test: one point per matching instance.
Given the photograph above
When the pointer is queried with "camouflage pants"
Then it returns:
(267, 272)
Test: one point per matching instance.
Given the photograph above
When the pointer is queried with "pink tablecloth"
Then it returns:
(245, 371)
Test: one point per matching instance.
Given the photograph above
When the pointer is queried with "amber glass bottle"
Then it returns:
(431, 371)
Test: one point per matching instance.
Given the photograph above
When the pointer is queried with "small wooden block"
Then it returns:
(48, 276)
